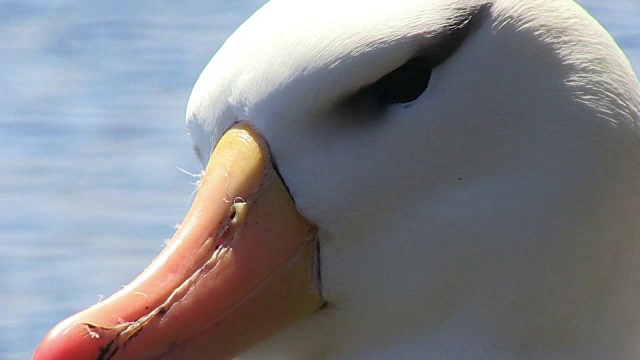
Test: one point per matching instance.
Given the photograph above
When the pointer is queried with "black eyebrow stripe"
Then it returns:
(435, 49)
(446, 43)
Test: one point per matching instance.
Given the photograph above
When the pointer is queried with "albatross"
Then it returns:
(403, 179)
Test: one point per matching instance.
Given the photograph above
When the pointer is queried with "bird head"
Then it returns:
(446, 168)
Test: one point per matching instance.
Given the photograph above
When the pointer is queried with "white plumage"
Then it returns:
(494, 217)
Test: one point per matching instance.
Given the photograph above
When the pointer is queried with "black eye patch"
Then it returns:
(409, 81)
(403, 84)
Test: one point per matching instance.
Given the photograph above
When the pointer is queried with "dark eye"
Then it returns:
(403, 84)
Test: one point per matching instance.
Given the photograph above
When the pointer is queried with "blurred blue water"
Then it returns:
(91, 132)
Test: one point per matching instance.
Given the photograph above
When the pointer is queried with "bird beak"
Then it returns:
(241, 266)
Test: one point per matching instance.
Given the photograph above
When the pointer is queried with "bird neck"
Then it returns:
(525, 265)
(552, 269)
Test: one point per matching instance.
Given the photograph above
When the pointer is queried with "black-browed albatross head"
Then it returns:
(469, 172)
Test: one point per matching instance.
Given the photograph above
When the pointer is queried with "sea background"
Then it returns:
(92, 101)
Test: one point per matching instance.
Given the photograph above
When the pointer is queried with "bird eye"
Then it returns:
(403, 84)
